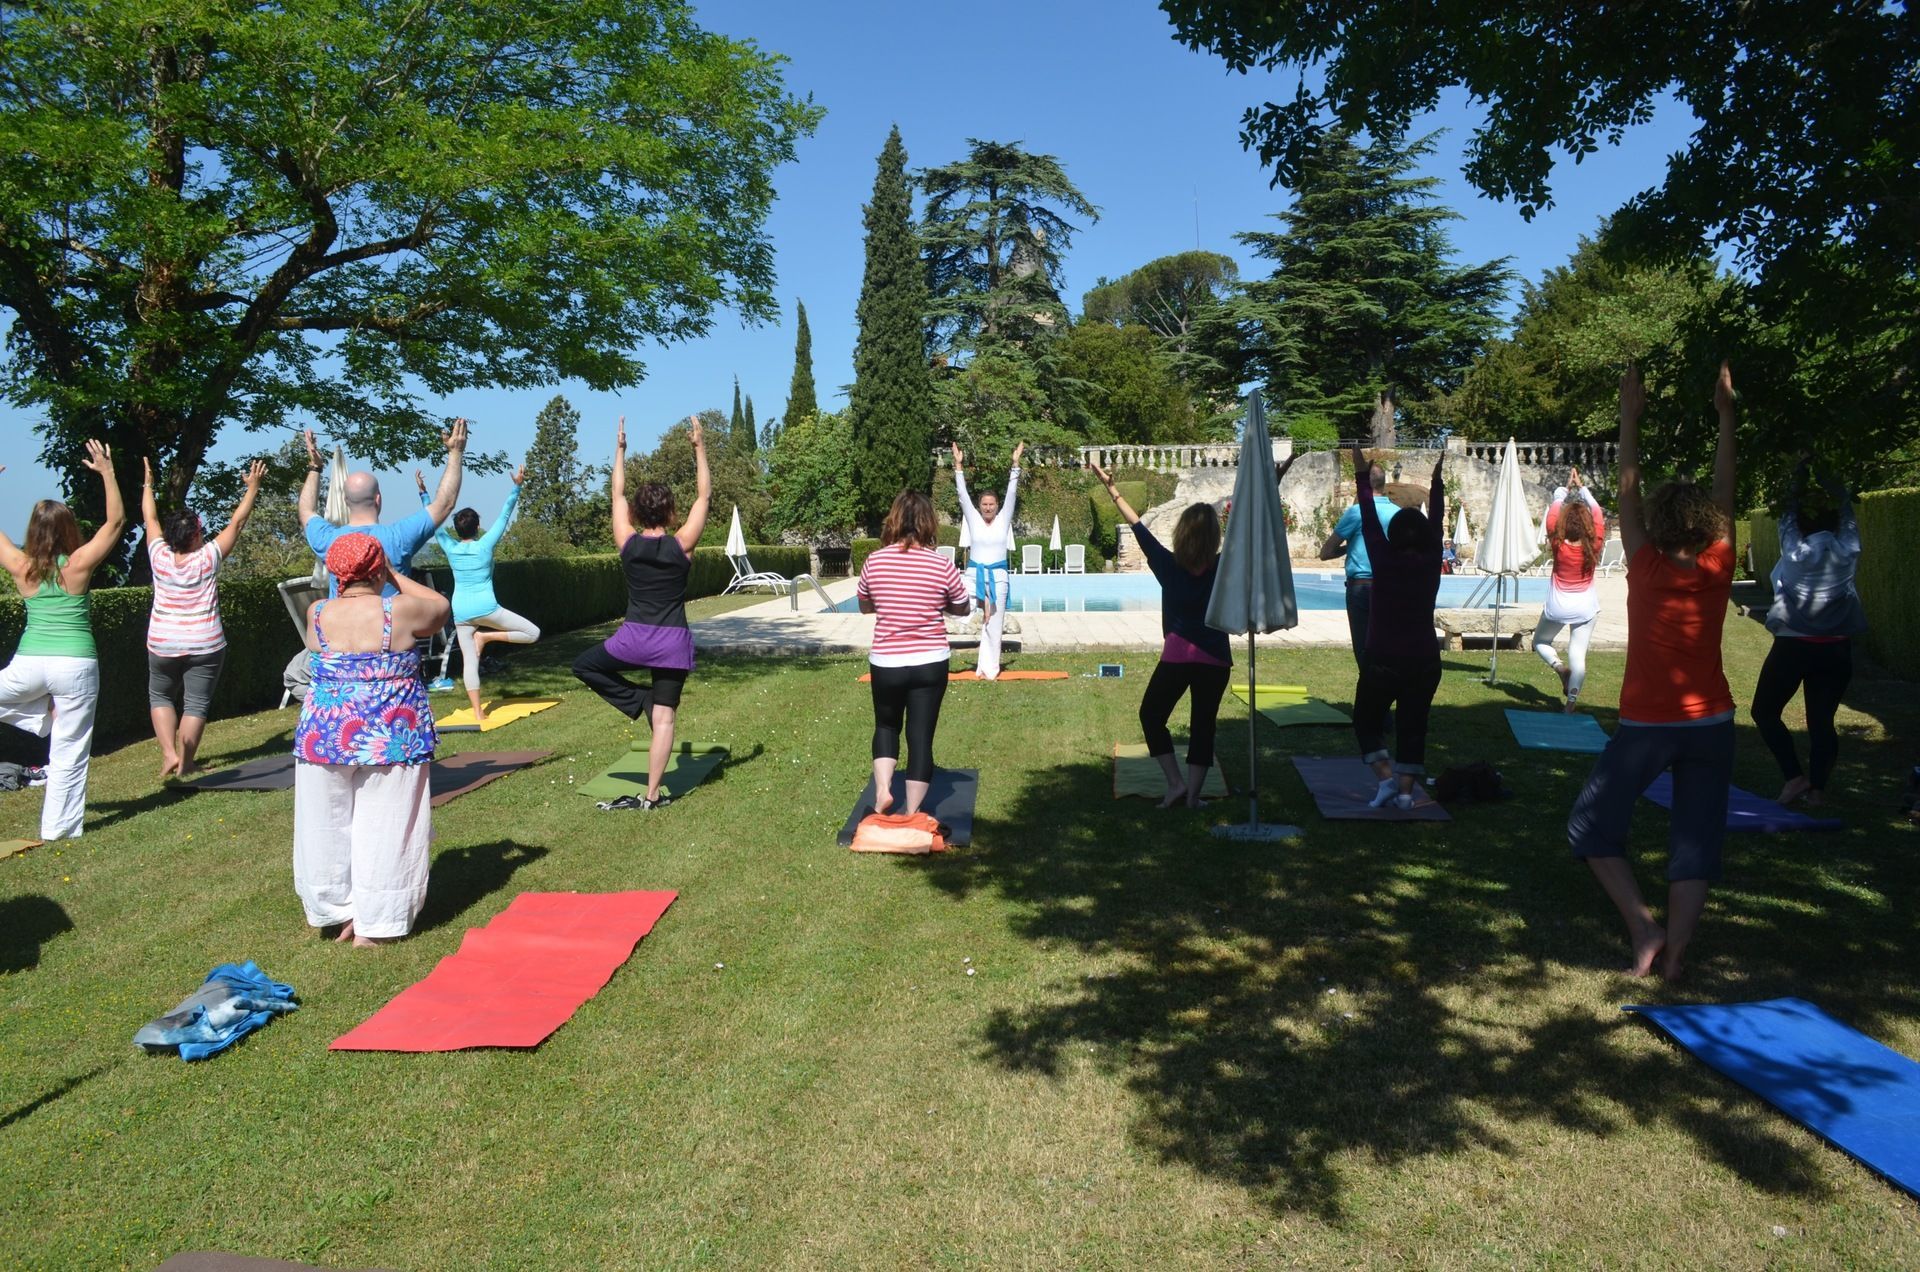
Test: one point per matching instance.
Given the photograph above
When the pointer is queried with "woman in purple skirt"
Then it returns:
(655, 638)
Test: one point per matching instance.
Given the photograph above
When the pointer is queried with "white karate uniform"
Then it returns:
(991, 541)
(31, 686)
(362, 834)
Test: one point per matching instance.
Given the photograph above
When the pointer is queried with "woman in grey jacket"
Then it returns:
(1816, 614)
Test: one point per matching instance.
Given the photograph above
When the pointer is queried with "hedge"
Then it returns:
(557, 593)
(1889, 590)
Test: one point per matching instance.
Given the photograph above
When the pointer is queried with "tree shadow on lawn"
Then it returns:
(28, 922)
(1400, 991)
(463, 877)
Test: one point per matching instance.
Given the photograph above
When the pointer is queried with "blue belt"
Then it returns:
(983, 579)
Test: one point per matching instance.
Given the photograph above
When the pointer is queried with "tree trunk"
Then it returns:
(1385, 436)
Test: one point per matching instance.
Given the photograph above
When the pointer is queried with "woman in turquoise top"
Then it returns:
(53, 683)
(479, 619)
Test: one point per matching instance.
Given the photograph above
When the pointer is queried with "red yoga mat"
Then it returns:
(516, 980)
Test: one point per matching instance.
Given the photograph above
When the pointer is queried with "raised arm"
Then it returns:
(1013, 489)
(226, 540)
(491, 539)
(1633, 404)
(622, 519)
(310, 488)
(1437, 500)
(1846, 527)
(696, 522)
(1126, 511)
(449, 492)
(968, 513)
(149, 511)
(87, 557)
(1371, 530)
(1723, 474)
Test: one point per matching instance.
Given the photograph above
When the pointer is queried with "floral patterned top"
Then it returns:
(365, 708)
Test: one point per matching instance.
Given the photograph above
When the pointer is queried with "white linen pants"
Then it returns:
(991, 629)
(34, 686)
(519, 632)
(361, 839)
(1576, 611)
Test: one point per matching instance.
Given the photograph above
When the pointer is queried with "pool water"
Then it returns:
(1110, 593)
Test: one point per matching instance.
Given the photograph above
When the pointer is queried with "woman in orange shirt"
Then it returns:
(1676, 709)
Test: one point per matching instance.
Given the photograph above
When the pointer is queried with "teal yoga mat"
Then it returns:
(691, 764)
(1557, 731)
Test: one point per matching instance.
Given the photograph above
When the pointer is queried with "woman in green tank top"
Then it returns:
(52, 684)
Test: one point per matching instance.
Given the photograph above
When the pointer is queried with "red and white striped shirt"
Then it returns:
(909, 587)
(186, 602)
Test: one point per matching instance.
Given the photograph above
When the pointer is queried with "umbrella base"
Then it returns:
(1256, 832)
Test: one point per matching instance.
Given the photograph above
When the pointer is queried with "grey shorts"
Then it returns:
(1701, 760)
(184, 683)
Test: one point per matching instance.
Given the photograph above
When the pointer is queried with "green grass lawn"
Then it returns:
(1377, 1045)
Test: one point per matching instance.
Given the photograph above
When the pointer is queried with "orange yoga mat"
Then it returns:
(1005, 675)
(516, 980)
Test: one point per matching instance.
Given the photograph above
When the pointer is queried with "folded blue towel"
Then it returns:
(234, 1001)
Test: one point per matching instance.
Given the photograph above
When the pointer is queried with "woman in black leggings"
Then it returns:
(1195, 659)
(1816, 614)
(909, 588)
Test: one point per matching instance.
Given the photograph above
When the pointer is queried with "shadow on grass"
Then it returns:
(462, 877)
(1388, 993)
(53, 1093)
(28, 922)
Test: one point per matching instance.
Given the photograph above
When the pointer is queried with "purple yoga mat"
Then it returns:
(1747, 811)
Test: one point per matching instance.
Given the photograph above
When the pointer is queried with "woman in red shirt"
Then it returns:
(909, 588)
(1576, 529)
(1676, 710)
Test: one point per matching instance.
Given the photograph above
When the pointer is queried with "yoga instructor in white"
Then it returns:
(990, 527)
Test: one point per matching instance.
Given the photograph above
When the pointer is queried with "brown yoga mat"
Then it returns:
(1341, 788)
(14, 847)
(452, 776)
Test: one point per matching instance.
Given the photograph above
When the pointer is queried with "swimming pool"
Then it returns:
(1107, 593)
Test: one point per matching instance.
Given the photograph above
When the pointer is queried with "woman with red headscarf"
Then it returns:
(361, 821)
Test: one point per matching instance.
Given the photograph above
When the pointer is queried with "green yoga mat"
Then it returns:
(1283, 705)
(1137, 773)
(691, 764)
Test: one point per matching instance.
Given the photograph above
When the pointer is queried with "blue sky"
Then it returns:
(1146, 129)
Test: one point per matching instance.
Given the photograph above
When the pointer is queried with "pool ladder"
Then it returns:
(793, 592)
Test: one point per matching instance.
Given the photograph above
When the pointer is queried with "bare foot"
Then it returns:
(190, 768)
(1646, 948)
(1672, 970)
(1566, 678)
(346, 931)
(1816, 798)
(480, 717)
(1177, 795)
(882, 802)
(370, 942)
(169, 766)
(1794, 789)
(1571, 706)
(1196, 802)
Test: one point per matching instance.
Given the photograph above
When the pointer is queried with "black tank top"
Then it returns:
(656, 570)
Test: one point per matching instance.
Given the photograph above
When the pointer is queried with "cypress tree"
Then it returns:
(743, 441)
(801, 401)
(736, 419)
(891, 406)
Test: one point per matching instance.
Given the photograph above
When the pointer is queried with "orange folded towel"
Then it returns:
(910, 833)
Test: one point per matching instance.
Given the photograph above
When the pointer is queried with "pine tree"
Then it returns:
(801, 401)
(891, 406)
(1365, 313)
(554, 493)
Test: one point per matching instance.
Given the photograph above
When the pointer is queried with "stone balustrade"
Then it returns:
(1591, 456)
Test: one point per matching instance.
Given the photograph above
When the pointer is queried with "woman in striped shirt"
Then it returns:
(186, 645)
(909, 588)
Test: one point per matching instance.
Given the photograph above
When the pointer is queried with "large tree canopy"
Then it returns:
(252, 214)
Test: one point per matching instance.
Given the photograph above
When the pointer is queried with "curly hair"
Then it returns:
(910, 522)
(180, 528)
(52, 532)
(1575, 525)
(1196, 538)
(1682, 517)
(651, 505)
(466, 523)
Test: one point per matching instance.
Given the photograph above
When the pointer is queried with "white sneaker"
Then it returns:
(1389, 787)
(1403, 801)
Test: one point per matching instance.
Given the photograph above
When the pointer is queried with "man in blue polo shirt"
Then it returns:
(1346, 538)
(399, 539)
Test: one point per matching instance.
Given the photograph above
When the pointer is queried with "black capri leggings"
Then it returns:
(913, 693)
(1206, 682)
(1825, 668)
(1397, 693)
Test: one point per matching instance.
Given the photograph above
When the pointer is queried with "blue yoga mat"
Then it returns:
(1859, 1096)
(1747, 811)
(1557, 731)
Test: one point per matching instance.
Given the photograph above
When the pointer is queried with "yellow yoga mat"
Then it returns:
(1284, 705)
(1137, 773)
(499, 715)
(1272, 691)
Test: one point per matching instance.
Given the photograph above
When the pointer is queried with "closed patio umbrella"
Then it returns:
(1253, 590)
(736, 541)
(1053, 544)
(1508, 546)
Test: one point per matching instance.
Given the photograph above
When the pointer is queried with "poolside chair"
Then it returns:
(297, 595)
(1076, 559)
(1613, 558)
(745, 577)
(947, 550)
(1031, 560)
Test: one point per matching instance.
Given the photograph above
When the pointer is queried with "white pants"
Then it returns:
(1581, 633)
(31, 687)
(1000, 587)
(361, 838)
(519, 632)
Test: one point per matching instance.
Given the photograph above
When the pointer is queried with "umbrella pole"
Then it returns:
(1253, 755)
